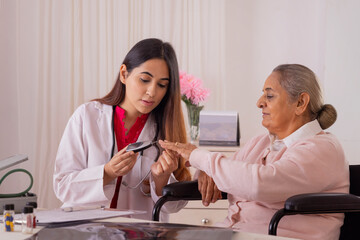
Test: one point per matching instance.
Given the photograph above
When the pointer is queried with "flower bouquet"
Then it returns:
(192, 93)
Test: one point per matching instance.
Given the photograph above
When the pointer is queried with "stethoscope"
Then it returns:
(136, 147)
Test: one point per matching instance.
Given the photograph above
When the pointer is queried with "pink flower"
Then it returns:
(191, 88)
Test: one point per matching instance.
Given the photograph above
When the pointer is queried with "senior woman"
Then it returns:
(296, 156)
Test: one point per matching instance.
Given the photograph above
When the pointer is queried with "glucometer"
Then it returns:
(140, 146)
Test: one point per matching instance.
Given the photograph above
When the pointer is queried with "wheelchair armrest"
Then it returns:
(187, 190)
(322, 203)
(315, 203)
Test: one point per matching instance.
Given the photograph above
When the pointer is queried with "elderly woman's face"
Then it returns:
(277, 111)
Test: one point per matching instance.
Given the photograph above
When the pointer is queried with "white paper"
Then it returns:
(58, 215)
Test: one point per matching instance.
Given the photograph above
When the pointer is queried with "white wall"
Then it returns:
(18, 43)
(8, 94)
(323, 35)
(261, 35)
(342, 72)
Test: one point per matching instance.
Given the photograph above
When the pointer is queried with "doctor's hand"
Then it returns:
(121, 163)
(183, 149)
(161, 170)
(208, 189)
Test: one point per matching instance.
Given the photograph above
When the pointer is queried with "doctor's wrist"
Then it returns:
(109, 175)
(160, 181)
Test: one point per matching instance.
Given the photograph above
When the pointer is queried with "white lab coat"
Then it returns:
(84, 150)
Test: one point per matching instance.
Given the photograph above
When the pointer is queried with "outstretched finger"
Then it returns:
(167, 143)
(171, 146)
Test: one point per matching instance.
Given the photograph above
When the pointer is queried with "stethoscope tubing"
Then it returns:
(141, 153)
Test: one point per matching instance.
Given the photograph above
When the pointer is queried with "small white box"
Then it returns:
(219, 128)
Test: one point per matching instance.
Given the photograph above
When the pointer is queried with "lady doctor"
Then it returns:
(295, 156)
(144, 105)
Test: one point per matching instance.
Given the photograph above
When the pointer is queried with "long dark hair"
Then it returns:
(168, 114)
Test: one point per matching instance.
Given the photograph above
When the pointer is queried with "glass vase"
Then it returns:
(194, 117)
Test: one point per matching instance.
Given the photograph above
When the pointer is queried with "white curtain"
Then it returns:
(56, 55)
(65, 53)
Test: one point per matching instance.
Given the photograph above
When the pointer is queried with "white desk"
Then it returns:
(17, 235)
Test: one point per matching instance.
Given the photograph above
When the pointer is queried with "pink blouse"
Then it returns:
(263, 174)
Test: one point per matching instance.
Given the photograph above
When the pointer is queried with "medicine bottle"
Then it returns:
(34, 205)
(8, 216)
(27, 224)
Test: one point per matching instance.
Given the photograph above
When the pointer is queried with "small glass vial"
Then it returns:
(8, 216)
(34, 205)
(27, 224)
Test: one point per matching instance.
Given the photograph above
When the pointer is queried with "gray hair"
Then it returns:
(297, 79)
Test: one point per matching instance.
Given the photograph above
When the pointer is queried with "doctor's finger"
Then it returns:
(123, 150)
(170, 159)
(125, 159)
(120, 156)
(167, 164)
(156, 169)
(172, 153)
(166, 168)
(124, 166)
(123, 170)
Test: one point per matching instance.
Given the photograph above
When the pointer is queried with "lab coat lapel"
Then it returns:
(104, 123)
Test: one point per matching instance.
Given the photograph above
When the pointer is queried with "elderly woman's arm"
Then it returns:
(207, 187)
(314, 165)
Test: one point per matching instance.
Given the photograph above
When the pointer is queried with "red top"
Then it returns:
(123, 140)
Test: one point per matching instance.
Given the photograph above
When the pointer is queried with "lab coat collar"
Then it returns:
(103, 107)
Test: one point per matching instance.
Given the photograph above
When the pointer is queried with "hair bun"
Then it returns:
(327, 116)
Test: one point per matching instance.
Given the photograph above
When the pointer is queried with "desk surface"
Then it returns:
(17, 235)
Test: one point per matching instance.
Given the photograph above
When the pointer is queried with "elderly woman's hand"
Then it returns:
(183, 149)
(208, 189)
